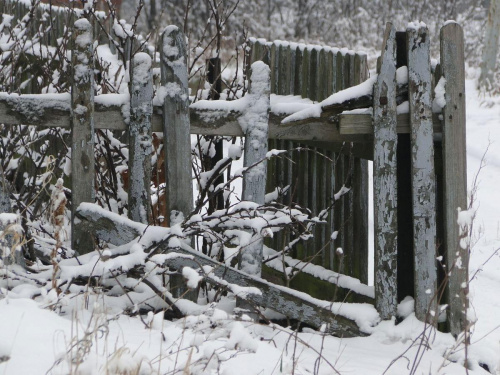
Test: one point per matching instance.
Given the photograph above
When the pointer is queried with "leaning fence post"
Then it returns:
(455, 173)
(254, 123)
(422, 166)
(177, 139)
(384, 179)
(141, 110)
(82, 131)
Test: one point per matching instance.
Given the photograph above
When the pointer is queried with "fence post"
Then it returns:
(455, 173)
(423, 177)
(82, 131)
(141, 110)
(254, 123)
(384, 178)
(177, 140)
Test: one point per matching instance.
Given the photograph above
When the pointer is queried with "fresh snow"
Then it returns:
(36, 337)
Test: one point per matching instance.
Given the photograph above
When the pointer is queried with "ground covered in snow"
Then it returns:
(87, 334)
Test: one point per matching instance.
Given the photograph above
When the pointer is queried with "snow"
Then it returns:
(212, 339)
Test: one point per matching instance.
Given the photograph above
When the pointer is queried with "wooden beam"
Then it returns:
(82, 130)
(423, 176)
(141, 109)
(255, 121)
(455, 174)
(362, 123)
(176, 125)
(294, 304)
(384, 179)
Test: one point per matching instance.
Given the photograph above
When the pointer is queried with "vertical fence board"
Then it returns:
(322, 75)
(177, 140)
(313, 73)
(423, 180)
(141, 110)
(385, 183)
(360, 192)
(297, 73)
(306, 63)
(455, 173)
(82, 131)
(274, 65)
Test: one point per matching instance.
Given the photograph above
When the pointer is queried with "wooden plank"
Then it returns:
(362, 123)
(306, 65)
(313, 73)
(293, 304)
(384, 178)
(141, 110)
(455, 173)
(331, 67)
(423, 176)
(274, 65)
(322, 75)
(82, 131)
(297, 72)
(255, 124)
(176, 126)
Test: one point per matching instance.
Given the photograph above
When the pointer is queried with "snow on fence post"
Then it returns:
(177, 139)
(384, 178)
(254, 123)
(82, 131)
(422, 166)
(141, 110)
(455, 173)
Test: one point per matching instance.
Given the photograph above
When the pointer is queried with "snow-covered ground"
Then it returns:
(36, 340)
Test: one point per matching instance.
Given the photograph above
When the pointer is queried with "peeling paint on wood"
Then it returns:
(141, 110)
(385, 182)
(423, 177)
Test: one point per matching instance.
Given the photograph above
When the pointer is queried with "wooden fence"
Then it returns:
(316, 72)
(419, 156)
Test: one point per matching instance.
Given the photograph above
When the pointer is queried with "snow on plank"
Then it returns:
(345, 319)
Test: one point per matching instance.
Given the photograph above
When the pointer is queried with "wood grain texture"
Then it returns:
(82, 130)
(455, 173)
(176, 125)
(293, 304)
(384, 178)
(423, 176)
(141, 110)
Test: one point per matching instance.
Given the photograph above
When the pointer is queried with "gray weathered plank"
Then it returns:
(52, 112)
(455, 173)
(293, 304)
(82, 130)
(254, 122)
(141, 110)
(384, 179)
(423, 177)
(176, 126)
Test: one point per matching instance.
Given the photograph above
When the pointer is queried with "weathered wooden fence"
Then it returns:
(316, 173)
(419, 156)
